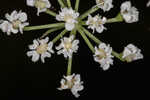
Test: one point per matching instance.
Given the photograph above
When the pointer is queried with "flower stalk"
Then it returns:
(50, 31)
(59, 36)
(29, 28)
(90, 35)
(86, 39)
(90, 11)
(61, 3)
(118, 18)
(77, 5)
(48, 11)
(117, 55)
(69, 3)
(69, 66)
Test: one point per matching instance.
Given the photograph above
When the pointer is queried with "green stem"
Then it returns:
(90, 11)
(90, 35)
(77, 5)
(117, 55)
(83, 22)
(118, 18)
(29, 28)
(86, 40)
(50, 12)
(50, 31)
(69, 66)
(59, 36)
(69, 3)
(61, 3)
(96, 40)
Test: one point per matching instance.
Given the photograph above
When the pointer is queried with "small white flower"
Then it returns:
(132, 53)
(148, 3)
(96, 23)
(69, 16)
(72, 82)
(129, 13)
(41, 5)
(16, 21)
(103, 56)
(41, 48)
(106, 5)
(68, 46)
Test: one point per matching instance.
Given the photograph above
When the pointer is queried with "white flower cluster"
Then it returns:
(15, 22)
(129, 13)
(40, 48)
(68, 46)
(72, 82)
(41, 5)
(105, 5)
(132, 53)
(69, 16)
(97, 23)
(103, 56)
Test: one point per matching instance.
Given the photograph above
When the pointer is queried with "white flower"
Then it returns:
(41, 5)
(106, 5)
(96, 23)
(15, 22)
(73, 83)
(69, 16)
(129, 13)
(148, 3)
(132, 53)
(68, 46)
(41, 48)
(103, 56)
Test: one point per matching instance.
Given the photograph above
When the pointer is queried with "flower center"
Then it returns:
(130, 57)
(102, 54)
(40, 4)
(16, 24)
(125, 11)
(68, 17)
(95, 22)
(68, 45)
(70, 83)
(42, 48)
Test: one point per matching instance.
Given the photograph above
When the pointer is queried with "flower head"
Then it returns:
(106, 5)
(41, 5)
(69, 16)
(131, 53)
(103, 56)
(40, 48)
(129, 13)
(68, 46)
(97, 23)
(72, 82)
(15, 22)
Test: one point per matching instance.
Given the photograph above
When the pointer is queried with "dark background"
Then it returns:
(22, 79)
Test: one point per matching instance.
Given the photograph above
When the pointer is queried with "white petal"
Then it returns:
(34, 45)
(49, 48)
(30, 2)
(23, 17)
(44, 55)
(34, 54)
